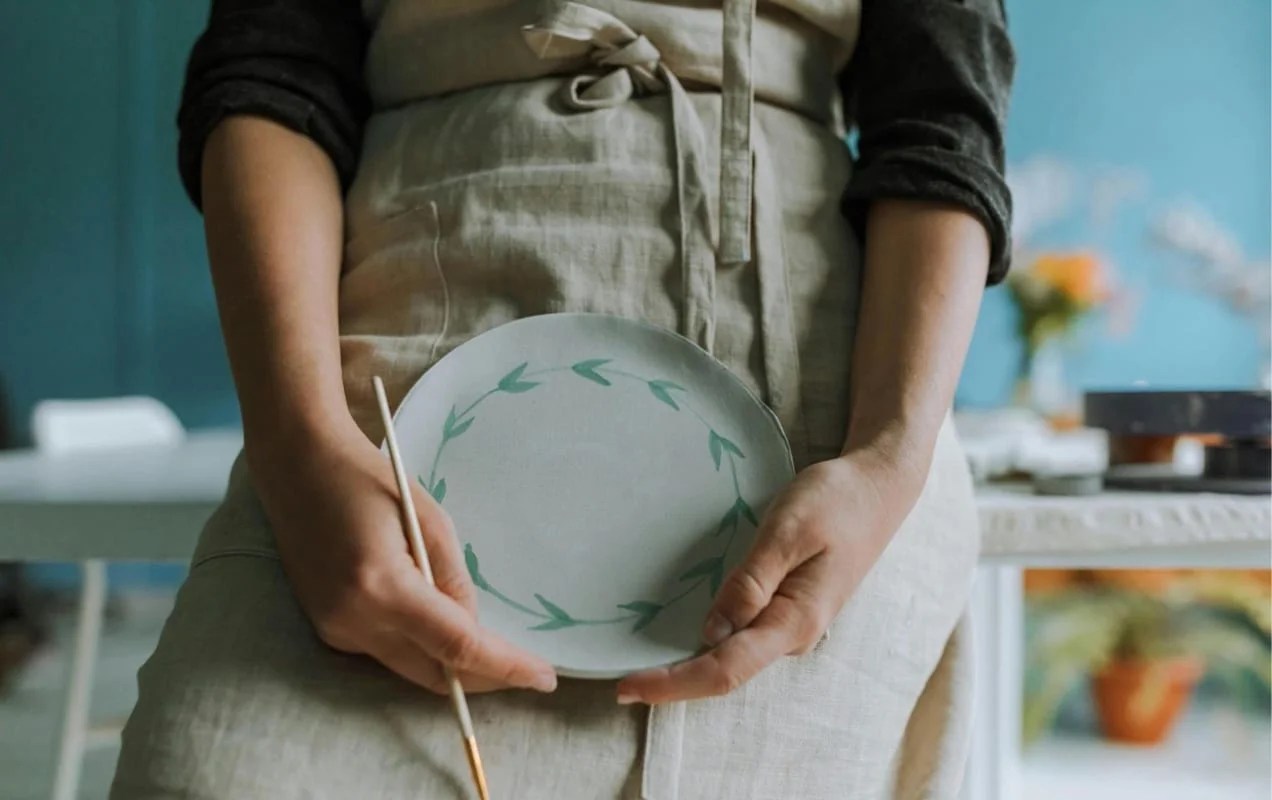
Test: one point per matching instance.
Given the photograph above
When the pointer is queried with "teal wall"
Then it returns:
(103, 281)
(1178, 92)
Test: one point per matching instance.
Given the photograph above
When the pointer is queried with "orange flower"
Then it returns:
(1077, 276)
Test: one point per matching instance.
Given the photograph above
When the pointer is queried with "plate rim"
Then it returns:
(715, 365)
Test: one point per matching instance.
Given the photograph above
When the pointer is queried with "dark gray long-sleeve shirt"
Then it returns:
(927, 89)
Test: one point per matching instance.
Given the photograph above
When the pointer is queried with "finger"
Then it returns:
(448, 633)
(445, 556)
(723, 669)
(811, 587)
(409, 661)
(746, 592)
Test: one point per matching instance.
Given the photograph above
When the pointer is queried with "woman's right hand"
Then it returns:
(333, 503)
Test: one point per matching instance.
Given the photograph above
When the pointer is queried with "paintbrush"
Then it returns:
(458, 700)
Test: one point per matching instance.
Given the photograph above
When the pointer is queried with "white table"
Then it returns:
(1110, 530)
(127, 504)
(144, 503)
(149, 504)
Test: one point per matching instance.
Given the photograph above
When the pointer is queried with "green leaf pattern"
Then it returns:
(729, 522)
(707, 566)
(453, 427)
(474, 568)
(552, 608)
(512, 383)
(646, 612)
(640, 613)
(588, 369)
(662, 390)
(717, 578)
(717, 449)
(554, 624)
(731, 447)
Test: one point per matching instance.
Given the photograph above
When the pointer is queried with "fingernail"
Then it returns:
(716, 630)
(545, 682)
(627, 698)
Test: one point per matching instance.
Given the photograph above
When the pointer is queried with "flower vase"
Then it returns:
(1043, 385)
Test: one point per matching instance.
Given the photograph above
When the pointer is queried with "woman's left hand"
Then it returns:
(816, 542)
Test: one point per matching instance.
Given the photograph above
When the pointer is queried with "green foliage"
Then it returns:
(1042, 316)
(1078, 632)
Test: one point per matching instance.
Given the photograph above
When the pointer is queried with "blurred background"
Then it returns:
(1139, 152)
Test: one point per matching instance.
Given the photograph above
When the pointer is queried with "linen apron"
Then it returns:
(679, 163)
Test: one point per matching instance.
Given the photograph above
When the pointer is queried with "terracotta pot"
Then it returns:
(1139, 702)
(1141, 449)
(1049, 581)
(1148, 581)
(1261, 578)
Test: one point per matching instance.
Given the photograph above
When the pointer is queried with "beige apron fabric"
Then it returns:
(530, 157)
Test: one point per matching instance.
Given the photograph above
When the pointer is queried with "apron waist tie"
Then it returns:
(573, 30)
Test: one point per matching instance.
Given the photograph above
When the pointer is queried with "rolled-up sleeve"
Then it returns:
(927, 89)
(297, 62)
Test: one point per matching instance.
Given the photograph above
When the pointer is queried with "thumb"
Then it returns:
(749, 588)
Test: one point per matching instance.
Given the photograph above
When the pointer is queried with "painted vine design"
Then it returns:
(640, 613)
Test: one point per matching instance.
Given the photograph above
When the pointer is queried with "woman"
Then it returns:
(676, 162)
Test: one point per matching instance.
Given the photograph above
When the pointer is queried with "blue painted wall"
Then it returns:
(1177, 90)
(103, 281)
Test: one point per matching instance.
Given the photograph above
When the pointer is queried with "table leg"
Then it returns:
(70, 756)
(993, 769)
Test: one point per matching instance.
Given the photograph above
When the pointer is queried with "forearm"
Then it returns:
(273, 218)
(925, 268)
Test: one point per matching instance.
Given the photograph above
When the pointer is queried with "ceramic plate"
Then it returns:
(603, 475)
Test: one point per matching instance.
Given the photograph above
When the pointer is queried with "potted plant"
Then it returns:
(1144, 652)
